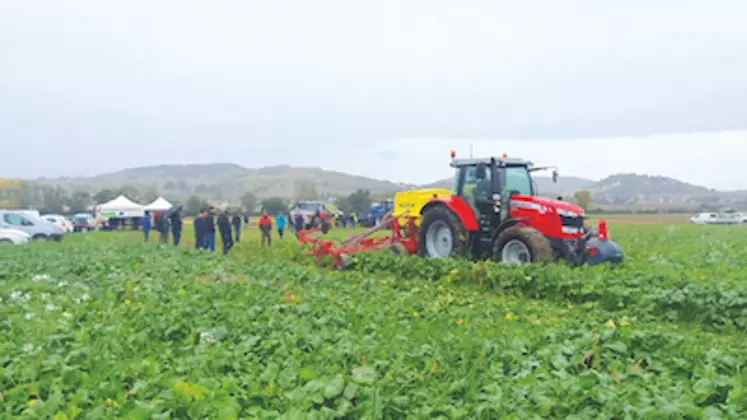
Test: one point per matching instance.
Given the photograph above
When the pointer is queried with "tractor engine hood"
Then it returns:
(561, 206)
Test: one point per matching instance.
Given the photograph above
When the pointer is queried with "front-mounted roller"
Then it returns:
(600, 249)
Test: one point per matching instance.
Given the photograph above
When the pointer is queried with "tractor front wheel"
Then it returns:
(441, 233)
(522, 245)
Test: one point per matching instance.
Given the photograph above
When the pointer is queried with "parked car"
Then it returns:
(13, 236)
(716, 218)
(60, 221)
(308, 210)
(83, 222)
(36, 227)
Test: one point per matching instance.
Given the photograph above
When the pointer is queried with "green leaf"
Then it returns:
(334, 387)
(306, 374)
(617, 346)
(363, 375)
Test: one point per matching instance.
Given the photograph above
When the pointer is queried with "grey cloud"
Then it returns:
(248, 76)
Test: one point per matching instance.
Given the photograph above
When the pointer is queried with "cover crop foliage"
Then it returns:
(102, 326)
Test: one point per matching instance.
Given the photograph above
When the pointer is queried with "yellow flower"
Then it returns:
(415, 314)
(454, 272)
(624, 323)
(460, 322)
(127, 302)
(611, 324)
(509, 317)
(109, 402)
(471, 306)
(32, 403)
(441, 288)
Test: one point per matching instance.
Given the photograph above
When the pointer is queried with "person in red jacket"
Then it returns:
(265, 226)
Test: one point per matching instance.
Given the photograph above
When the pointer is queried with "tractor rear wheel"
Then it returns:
(442, 234)
(522, 245)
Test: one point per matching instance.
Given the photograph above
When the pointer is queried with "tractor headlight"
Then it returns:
(570, 230)
(567, 213)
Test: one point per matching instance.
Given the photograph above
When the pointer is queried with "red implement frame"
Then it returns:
(403, 240)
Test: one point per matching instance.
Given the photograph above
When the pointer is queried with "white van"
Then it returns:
(35, 226)
(716, 218)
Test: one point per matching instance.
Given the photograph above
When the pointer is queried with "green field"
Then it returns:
(104, 326)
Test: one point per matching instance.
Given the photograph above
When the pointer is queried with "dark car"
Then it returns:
(83, 223)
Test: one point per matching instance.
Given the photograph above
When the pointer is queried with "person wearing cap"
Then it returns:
(265, 226)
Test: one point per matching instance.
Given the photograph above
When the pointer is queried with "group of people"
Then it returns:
(163, 224)
(228, 225)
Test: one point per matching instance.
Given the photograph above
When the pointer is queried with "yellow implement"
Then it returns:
(411, 202)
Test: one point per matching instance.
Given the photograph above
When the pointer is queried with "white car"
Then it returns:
(58, 220)
(716, 218)
(13, 236)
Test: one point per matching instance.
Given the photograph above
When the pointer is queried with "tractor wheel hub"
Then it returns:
(438, 241)
(516, 252)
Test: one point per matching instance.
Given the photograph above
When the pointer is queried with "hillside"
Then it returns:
(659, 192)
(227, 181)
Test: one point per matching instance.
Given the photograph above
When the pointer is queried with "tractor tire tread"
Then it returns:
(440, 212)
(539, 246)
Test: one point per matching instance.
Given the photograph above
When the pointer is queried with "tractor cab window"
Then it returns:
(474, 189)
(517, 178)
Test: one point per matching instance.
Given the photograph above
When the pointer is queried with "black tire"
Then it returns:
(39, 237)
(5, 241)
(441, 215)
(538, 246)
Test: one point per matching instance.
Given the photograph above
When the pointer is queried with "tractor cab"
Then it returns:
(488, 184)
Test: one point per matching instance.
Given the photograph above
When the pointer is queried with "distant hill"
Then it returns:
(634, 190)
(227, 181)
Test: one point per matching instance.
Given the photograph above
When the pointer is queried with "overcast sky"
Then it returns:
(378, 88)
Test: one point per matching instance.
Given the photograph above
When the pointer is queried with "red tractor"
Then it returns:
(493, 210)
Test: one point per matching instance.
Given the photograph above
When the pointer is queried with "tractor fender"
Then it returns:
(507, 224)
(459, 207)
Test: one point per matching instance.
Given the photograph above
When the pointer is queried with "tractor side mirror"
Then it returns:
(555, 176)
(481, 172)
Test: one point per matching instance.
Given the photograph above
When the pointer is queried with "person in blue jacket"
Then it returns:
(146, 223)
(280, 224)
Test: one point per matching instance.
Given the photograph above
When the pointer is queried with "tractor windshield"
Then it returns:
(517, 178)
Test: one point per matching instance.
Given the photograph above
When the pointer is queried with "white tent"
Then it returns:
(159, 204)
(120, 207)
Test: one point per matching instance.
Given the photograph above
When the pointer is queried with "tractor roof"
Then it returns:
(498, 160)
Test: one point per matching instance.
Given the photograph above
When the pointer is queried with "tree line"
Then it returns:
(19, 194)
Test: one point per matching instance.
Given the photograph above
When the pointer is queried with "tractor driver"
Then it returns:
(482, 192)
